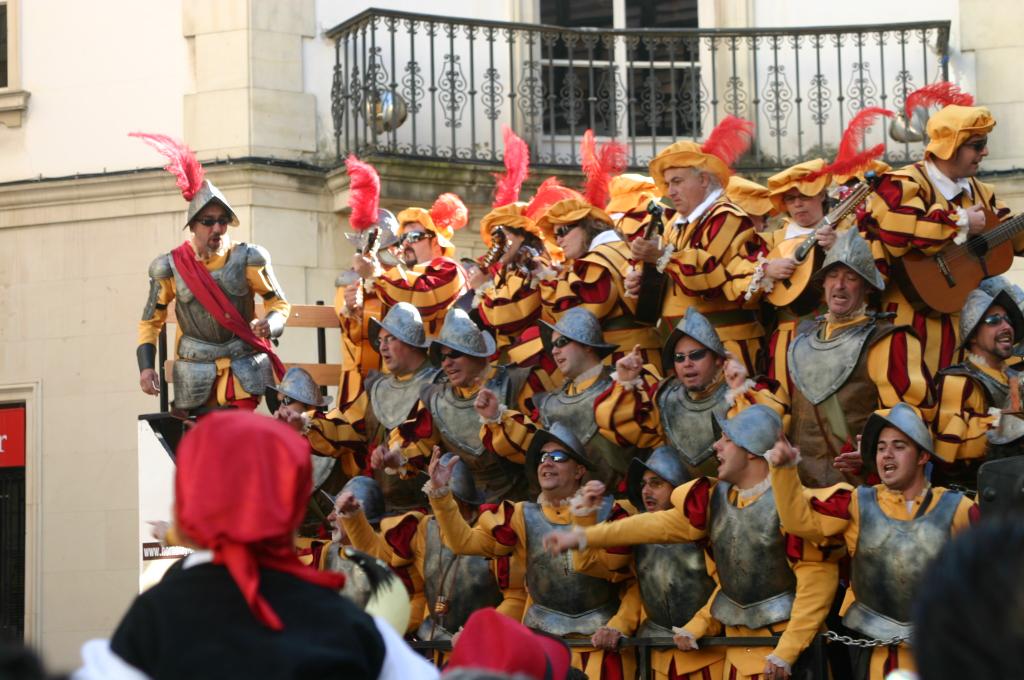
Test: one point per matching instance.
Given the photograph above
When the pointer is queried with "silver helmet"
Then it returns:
(978, 304)
(462, 485)
(755, 428)
(580, 325)
(694, 325)
(208, 192)
(459, 333)
(852, 250)
(368, 492)
(557, 433)
(386, 223)
(664, 462)
(299, 386)
(905, 419)
(404, 322)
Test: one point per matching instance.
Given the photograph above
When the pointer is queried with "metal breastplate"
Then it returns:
(357, 585)
(194, 320)
(758, 585)
(689, 424)
(392, 399)
(564, 600)
(673, 580)
(466, 582)
(820, 367)
(891, 556)
(577, 413)
(1005, 439)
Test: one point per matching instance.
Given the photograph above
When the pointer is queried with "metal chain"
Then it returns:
(832, 636)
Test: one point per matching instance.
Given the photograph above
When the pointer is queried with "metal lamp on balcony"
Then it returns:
(386, 111)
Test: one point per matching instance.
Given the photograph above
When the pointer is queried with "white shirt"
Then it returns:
(702, 208)
(947, 187)
(606, 236)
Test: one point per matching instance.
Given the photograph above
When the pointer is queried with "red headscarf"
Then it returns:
(241, 490)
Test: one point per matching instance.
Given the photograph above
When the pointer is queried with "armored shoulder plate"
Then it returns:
(392, 399)
(160, 268)
(689, 424)
(890, 558)
(256, 256)
(820, 367)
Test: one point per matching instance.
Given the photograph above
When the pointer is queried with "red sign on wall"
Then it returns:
(12, 436)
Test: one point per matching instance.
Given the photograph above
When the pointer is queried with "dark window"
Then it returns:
(655, 92)
(3, 45)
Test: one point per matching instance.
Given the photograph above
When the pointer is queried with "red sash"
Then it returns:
(214, 301)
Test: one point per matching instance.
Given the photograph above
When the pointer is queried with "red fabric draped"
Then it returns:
(241, 490)
(214, 301)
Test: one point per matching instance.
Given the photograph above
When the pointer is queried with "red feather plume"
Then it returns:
(363, 193)
(550, 191)
(730, 139)
(600, 167)
(517, 169)
(942, 93)
(182, 161)
(849, 159)
(449, 212)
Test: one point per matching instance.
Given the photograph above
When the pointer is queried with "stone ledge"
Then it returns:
(13, 105)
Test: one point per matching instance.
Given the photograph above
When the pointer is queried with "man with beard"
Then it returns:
(978, 399)
(673, 583)
(368, 410)
(561, 601)
(445, 413)
(849, 363)
(891, 530)
(711, 248)
(771, 582)
(455, 585)
(224, 356)
(680, 410)
(429, 277)
(576, 345)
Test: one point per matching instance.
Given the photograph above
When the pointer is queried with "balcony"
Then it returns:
(415, 86)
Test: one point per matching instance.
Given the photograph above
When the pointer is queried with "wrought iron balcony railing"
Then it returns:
(437, 87)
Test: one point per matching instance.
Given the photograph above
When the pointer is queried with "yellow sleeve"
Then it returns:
(259, 278)
(703, 623)
(615, 564)
(796, 512)
(149, 329)
(510, 436)
(961, 419)
(629, 417)
(816, 584)
(666, 526)
(463, 539)
(627, 618)
(336, 438)
(715, 258)
(364, 538)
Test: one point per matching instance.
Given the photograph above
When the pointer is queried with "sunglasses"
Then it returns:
(562, 230)
(286, 401)
(554, 457)
(416, 237)
(561, 342)
(978, 146)
(223, 221)
(452, 354)
(694, 356)
(995, 319)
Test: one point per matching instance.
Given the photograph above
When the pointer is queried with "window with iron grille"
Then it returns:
(3, 44)
(620, 87)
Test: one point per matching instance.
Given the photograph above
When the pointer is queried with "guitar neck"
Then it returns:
(856, 196)
(1002, 232)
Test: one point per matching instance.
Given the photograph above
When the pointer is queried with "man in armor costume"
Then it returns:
(455, 585)
(978, 398)
(935, 202)
(850, 362)
(428, 276)
(578, 349)
(223, 352)
(561, 601)
(711, 248)
(771, 582)
(446, 414)
(673, 583)
(680, 410)
(891, 530)
(370, 409)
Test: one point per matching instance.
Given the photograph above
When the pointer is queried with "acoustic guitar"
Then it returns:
(942, 282)
(808, 258)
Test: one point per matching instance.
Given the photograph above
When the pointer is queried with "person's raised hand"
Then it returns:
(440, 473)
(629, 366)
